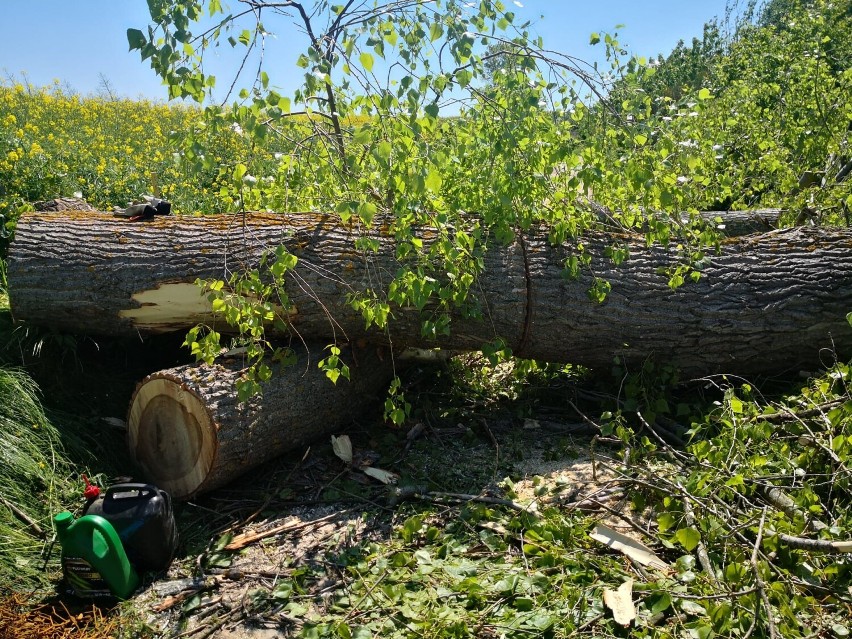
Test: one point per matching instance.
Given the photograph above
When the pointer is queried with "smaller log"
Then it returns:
(189, 433)
(739, 223)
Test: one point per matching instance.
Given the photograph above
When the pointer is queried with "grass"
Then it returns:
(43, 453)
(33, 481)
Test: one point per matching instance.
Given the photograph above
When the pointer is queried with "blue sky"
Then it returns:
(79, 42)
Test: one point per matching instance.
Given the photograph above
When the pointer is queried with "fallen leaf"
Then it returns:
(115, 422)
(415, 431)
(342, 447)
(635, 550)
(621, 603)
(531, 424)
(384, 476)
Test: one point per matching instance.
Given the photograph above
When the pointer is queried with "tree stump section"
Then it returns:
(189, 433)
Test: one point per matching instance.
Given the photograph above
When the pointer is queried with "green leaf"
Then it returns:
(345, 210)
(434, 181)
(367, 61)
(282, 591)
(594, 38)
(136, 39)
(688, 537)
(736, 405)
(383, 151)
(524, 604)
(736, 480)
(704, 94)
(436, 30)
(367, 211)
(662, 603)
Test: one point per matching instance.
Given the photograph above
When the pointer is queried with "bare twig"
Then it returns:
(586, 419)
(20, 514)
(664, 437)
(816, 545)
(701, 548)
(417, 492)
(758, 580)
(482, 500)
(241, 541)
(200, 586)
(787, 415)
(783, 502)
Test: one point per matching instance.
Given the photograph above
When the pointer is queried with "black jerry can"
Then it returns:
(143, 518)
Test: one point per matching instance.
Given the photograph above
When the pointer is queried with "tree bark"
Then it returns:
(189, 432)
(766, 303)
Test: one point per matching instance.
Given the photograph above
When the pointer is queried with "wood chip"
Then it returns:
(621, 603)
(635, 550)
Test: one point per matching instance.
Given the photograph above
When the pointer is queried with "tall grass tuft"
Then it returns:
(34, 481)
(42, 456)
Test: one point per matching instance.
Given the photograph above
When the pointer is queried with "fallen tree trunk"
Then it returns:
(767, 303)
(189, 432)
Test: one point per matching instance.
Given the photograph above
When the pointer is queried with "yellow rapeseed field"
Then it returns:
(108, 151)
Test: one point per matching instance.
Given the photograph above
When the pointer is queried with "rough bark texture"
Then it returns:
(767, 303)
(190, 434)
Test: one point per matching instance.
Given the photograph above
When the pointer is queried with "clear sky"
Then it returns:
(79, 42)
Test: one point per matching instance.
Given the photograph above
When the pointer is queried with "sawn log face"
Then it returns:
(768, 303)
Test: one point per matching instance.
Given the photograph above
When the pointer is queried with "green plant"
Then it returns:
(525, 148)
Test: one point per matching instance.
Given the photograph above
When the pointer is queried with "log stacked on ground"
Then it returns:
(190, 434)
(767, 303)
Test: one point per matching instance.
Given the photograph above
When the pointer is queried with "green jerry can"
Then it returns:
(94, 563)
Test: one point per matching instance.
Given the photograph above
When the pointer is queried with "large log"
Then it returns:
(190, 434)
(767, 303)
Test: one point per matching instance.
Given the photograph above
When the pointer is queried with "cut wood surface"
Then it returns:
(189, 432)
(768, 303)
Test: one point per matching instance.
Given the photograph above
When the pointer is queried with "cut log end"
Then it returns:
(172, 435)
(190, 433)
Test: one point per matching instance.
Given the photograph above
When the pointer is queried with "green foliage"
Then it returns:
(746, 119)
(474, 569)
(527, 146)
(333, 366)
(458, 578)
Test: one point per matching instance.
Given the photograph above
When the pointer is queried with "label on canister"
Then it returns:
(83, 580)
